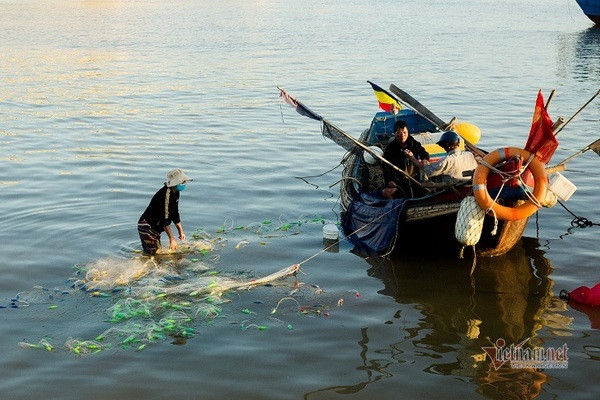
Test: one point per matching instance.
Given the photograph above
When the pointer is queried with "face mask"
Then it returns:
(180, 187)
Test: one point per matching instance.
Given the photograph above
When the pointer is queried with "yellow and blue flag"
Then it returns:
(385, 99)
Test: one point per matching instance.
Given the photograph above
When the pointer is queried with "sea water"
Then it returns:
(99, 99)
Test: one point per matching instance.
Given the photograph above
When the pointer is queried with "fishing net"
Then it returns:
(38, 295)
(338, 136)
(150, 301)
(172, 294)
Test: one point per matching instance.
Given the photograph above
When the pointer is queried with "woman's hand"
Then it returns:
(180, 231)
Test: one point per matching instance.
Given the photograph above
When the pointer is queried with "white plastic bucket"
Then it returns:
(330, 232)
(561, 186)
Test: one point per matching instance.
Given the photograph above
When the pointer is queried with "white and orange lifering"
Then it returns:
(483, 197)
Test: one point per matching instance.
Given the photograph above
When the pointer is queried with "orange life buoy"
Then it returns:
(483, 197)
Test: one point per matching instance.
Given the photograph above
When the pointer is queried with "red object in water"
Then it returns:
(593, 313)
(585, 295)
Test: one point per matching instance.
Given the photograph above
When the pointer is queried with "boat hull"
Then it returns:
(591, 8)
(433, 227)
(437, 234)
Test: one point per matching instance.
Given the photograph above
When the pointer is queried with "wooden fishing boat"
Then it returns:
(591, 8)
(428, 219)
(441, 214)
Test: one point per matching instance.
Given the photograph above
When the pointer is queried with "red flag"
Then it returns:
(541, 141)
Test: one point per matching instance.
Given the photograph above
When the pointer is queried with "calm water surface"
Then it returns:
(100, 98)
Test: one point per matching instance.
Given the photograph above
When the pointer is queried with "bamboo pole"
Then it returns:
(377, 156)
(559, 122)
(561, 166)
(578, 111)
(549, 99)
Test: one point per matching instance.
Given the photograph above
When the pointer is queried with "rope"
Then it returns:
(529, 160)
(522, 184)
(461, 255)
(343, 180)
(304, 178)
(496, 170)
(474, 261)
(506, 176)
(577, 221)
(318, 176)
(491, 209)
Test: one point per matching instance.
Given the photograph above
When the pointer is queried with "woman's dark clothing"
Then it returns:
(149, 237)
(162, 211)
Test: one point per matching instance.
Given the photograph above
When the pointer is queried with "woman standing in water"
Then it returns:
(161, 212)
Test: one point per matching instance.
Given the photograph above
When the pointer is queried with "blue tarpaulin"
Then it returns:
(371, 222)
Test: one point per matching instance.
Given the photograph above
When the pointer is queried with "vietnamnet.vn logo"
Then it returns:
(518, 356)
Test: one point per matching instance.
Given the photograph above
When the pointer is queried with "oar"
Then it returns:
(418, 107)
(428, 115)
(561, 166)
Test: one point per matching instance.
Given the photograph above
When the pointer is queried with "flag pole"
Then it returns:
(549, 99)
(578, 111)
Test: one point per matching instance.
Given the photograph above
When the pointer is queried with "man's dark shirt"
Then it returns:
(394, 153)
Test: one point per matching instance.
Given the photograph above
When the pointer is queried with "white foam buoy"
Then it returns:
(330, 232)
(368, 157)
(469, 222)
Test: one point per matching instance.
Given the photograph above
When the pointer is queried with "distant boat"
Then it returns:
(591, 8)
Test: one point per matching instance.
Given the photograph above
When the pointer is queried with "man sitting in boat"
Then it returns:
(457, 164)
(396, 153)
